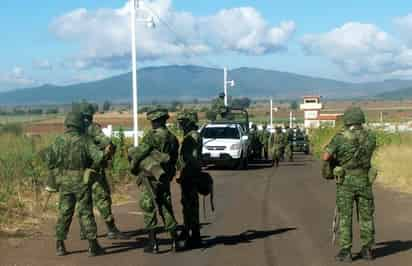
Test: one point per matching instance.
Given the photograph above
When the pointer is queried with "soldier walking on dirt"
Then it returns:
(71, 155)
(288, 143)
(264, 137)
(154, 162)
(277, 146)
(352, 150)
(190, 170)
(101, 192)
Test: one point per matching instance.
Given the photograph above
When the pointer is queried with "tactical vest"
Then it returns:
(355, 153)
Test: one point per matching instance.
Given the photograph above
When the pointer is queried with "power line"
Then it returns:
(178, 38)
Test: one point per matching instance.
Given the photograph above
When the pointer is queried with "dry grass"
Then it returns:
(394, 166)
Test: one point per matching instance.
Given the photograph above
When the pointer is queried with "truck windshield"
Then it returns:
(220, 133)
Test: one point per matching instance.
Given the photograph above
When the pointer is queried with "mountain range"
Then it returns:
(167, 83)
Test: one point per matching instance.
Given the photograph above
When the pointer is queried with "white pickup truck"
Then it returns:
(225, 144)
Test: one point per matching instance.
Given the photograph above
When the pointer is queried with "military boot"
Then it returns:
(60, 248)
(195, 240)
(344, 255)
(152, 246)
(95, 249)
(176, 244)
(114, 233)
(366, 253)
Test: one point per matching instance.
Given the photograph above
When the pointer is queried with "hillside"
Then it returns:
(188, 82)
(405, 93)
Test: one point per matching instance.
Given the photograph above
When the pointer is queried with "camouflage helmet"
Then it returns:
(188, 116)
(157, 114)
(87, 109)
(74, 120)
(353, 116)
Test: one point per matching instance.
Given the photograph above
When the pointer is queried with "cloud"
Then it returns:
(16, 78)
(104, 34)
(360, 49)
(404, 25)
(42, 64)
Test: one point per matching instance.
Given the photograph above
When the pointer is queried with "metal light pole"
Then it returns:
(133, 5)
(225, 83)
(271, 113)
(136, 4)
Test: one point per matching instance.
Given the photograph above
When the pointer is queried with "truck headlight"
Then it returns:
(235, 146)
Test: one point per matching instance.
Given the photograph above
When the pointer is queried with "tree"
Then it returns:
(174, 106)
(211, 115)
(106, 106)
(241, 102)
(294, 105)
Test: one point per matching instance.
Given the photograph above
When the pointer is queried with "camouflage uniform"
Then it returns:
(190, 169)
(352, 149)
(288, 139)
(101, 191)
(158, 139)
(278, 146)
(255, 144)
(71, 155)
(219, 107)
(264, 137)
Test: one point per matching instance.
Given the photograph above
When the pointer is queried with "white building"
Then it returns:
(313, 117)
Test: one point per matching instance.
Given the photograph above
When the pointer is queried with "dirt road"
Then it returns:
(264, 217)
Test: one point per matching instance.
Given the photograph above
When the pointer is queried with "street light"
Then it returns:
(136, 4)
(227, 82)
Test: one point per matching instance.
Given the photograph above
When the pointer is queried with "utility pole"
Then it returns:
(271, 113)
(136, 4)
(290, 119)
(133, 5)
(225, 83)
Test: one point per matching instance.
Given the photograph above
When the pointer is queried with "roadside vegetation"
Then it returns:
(392, 157)
(23, 176)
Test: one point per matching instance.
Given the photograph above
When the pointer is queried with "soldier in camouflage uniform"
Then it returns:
(255, 144)
(102, 199)
(264, 137)
(70, 155)
(219, 107)
(190, 169)
(155, 187)
(352, 151)
(277, 145)
(288, 138)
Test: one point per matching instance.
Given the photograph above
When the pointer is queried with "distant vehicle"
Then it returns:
(300, 142)
(225, 144)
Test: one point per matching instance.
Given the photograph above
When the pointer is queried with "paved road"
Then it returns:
(264, 217)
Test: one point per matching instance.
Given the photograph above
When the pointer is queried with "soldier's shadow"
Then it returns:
(159, 230)
(243, 238)
(384, 249)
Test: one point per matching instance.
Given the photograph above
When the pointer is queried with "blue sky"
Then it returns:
(64, 42)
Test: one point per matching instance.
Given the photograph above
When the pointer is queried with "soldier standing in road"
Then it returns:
(288, 138)
(71, 154)
(264, 137)
(352, 151)
(190, 169)
(154, 162)
(255, 144)
(102, 198)
(277, 145)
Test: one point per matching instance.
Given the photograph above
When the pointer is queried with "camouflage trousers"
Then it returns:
(190, 204)
(288, 152)
(164, 203)
(67, 203)
(265, 151)
(102, 199)
(346, 196)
